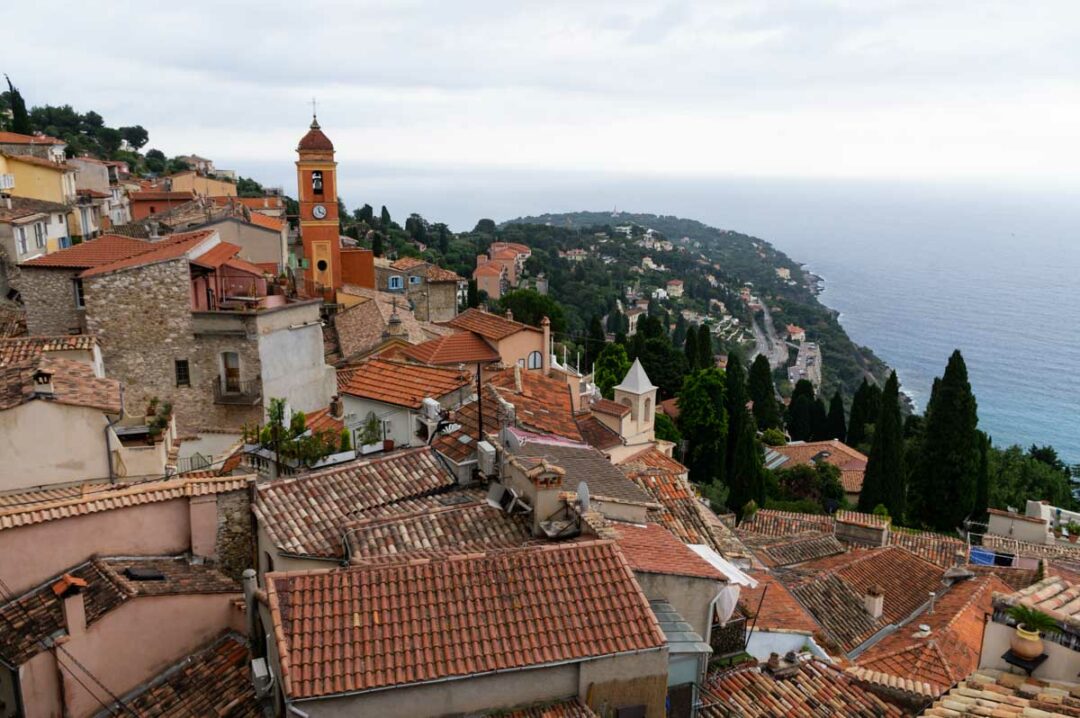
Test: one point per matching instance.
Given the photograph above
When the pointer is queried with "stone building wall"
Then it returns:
(200, 411)
(235, 542)
(49, 298)
(439, 302)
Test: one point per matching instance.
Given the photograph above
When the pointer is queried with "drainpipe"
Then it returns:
(250, 607)
(108, 427)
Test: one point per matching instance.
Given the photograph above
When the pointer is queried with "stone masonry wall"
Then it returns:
(235, 543)
(206, 368)
(49, 298)
(441, 302)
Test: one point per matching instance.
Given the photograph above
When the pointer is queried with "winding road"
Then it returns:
(766, 342)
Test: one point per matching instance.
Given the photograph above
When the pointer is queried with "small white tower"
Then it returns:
(637, 392)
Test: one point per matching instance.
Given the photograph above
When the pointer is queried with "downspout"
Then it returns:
(108, 427)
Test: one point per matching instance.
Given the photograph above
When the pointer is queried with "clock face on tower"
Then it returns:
(319, 211)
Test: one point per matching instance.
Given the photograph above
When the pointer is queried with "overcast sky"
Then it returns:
(859, 88)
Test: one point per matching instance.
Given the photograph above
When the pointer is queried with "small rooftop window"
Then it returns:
(143, 573)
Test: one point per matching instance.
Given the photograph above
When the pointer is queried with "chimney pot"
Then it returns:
(510, 314)
(874, 601)
(337, 406)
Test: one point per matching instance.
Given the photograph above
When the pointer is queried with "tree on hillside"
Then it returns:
(762, 392)
(377, 243)
(442, 238)
(484, 226)
(982, 479)
(155, 161)
(948, 468)
(800, 412)
(472, 296)
(665, 365)
(690, 351)
(595, 341)
(611, 366)
(863, 413)
(530, 307)
(742, 463)
(365, 214)
(704, 347)
(136, 136)
(819, 421)
(384, 219)
(678, 334)
(883, 482)
(837, 422)
(703, 424)
(20, 119)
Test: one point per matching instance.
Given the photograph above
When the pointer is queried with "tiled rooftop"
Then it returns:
(653, 458)
(490, 326)
(993, 693)
(1054, 596)
(775, 607)
(457, 348)
(74, 383)
(321, 420)
(794, 549)
(173, 247)
(951, 650)
(607, 406)
(103, 250)
(784, 523)
(399, 383)
(362, 327)
(373, 627)
(597, 434)
(541, 403)
(38, 613)
(21, 348)
(935, 548)
(651, 548)
(306, 514)
(465, 527)
(585, 463)
(570, 708)
(214, 681)
(817, 690)
(684, 515)
(34, 507)
(27, 207)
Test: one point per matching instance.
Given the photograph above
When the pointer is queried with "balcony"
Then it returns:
(237, 392)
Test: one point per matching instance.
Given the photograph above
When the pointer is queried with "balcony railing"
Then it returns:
(236, 392)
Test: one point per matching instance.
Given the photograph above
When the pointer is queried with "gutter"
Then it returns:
(497, 671)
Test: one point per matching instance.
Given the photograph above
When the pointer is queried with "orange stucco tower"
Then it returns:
(316, 177)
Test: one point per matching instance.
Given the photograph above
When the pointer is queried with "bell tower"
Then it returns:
(316, 177)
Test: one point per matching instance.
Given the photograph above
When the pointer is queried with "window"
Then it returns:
(316, 182)
(39, 235)
(183, 373)
(415, 280)
(80, 297)
(521, 363)
(20, 236)
(534, 360)
(396, 283)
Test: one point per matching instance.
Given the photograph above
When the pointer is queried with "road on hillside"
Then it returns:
(766, 342)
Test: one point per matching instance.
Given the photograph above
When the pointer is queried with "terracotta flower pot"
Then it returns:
(1073, 537)
(1026, 644)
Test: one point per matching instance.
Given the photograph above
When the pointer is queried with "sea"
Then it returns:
(916, 269)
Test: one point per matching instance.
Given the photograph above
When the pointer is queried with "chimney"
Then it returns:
(337, 407)
(545, 358)
(933, 598)
(153, 226)
(540, 483)
(250, 609)
(69, 590)
(874, 601)
(510, 314)
(43, 383)
(517, 379)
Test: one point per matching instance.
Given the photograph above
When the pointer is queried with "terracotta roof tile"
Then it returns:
(315, 140)
(74, 383)
(569, 708)
(436, 273)
(816, 690)
(784, 523)
(993, 693)
(1054, 596)
(363, 628)
(306, 514)
(28, 207)
(489, 269)
(18, 349)
(399, 383)
(669, 407)
(774, 607)
(651, 548)
(16, 138)
(34, 507)
(454, 349)
(407, 263)
(936, 548)
(583, 463)
(103, 250)
(266, 222)
(654, 458)
(490, 326)
(597, 434)
(214, 681)
(361, 328)
(793, 549)
(851, 462)
(39, 162)
(322, 420)
(174, 246)
(148, 195)
(607, 406)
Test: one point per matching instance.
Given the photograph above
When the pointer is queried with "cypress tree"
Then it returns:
(377, 244)
(595, 342)
(703, 424)
(763, 394)
(704, 347)
(884, 479)
(982, 479)
(384, 219)
(819, 421)
(472, 297)
(691, 351)
(856, 432)
(948, 469)
(800, 419)
(20, 118)
(837, 426)
(678, 335)
(742, 463)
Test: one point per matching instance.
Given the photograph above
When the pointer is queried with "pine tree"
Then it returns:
(819, 421)
(691, 351)
(883, 482)
(800, 419)
(837, 426)
(763, 393)
(949, 466)
(704, 347)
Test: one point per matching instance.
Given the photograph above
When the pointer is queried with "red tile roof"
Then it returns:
(541, 403)
(653, 458)
(103, 250)
(74, 383)
(266, 222)
(439, 274)
(950, 652)
(374, 627)
(217, 255)
(458, 348)
(147, 195)
(407, 263)
(782, 523)
(306, 514)
(172, 247)
(321, 421)
(651, 548)
(775, 607)
(669, 407)
(569, 708)
(596, 433)
(612, 408)
(15, 138)
(851, 462)
(17, 349)
(993, 693)
(399, 383)
(489, 269)
(490, 326)
(39, 162)
(315, 140)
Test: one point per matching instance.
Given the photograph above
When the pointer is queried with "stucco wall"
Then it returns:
(31, 554)
(691, 597)
(39, 681)
(144, 636)
(400, 418)
(1063, 663)
(8, 682)
(1021, 529)
(519, 346)
(293, 365)
(43, 442)
(49, 297)
(257, 244)
(626, 680)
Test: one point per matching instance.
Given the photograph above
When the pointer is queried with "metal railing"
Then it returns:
(237, 392)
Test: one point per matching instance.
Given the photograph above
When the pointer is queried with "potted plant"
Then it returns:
(1074, 531)
(371, 435)
(1030, 625)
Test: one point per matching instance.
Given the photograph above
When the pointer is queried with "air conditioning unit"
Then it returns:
(432, 410)
(485, 457)
(260, 676)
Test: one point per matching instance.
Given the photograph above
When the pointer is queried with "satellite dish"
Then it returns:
(583, 496)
